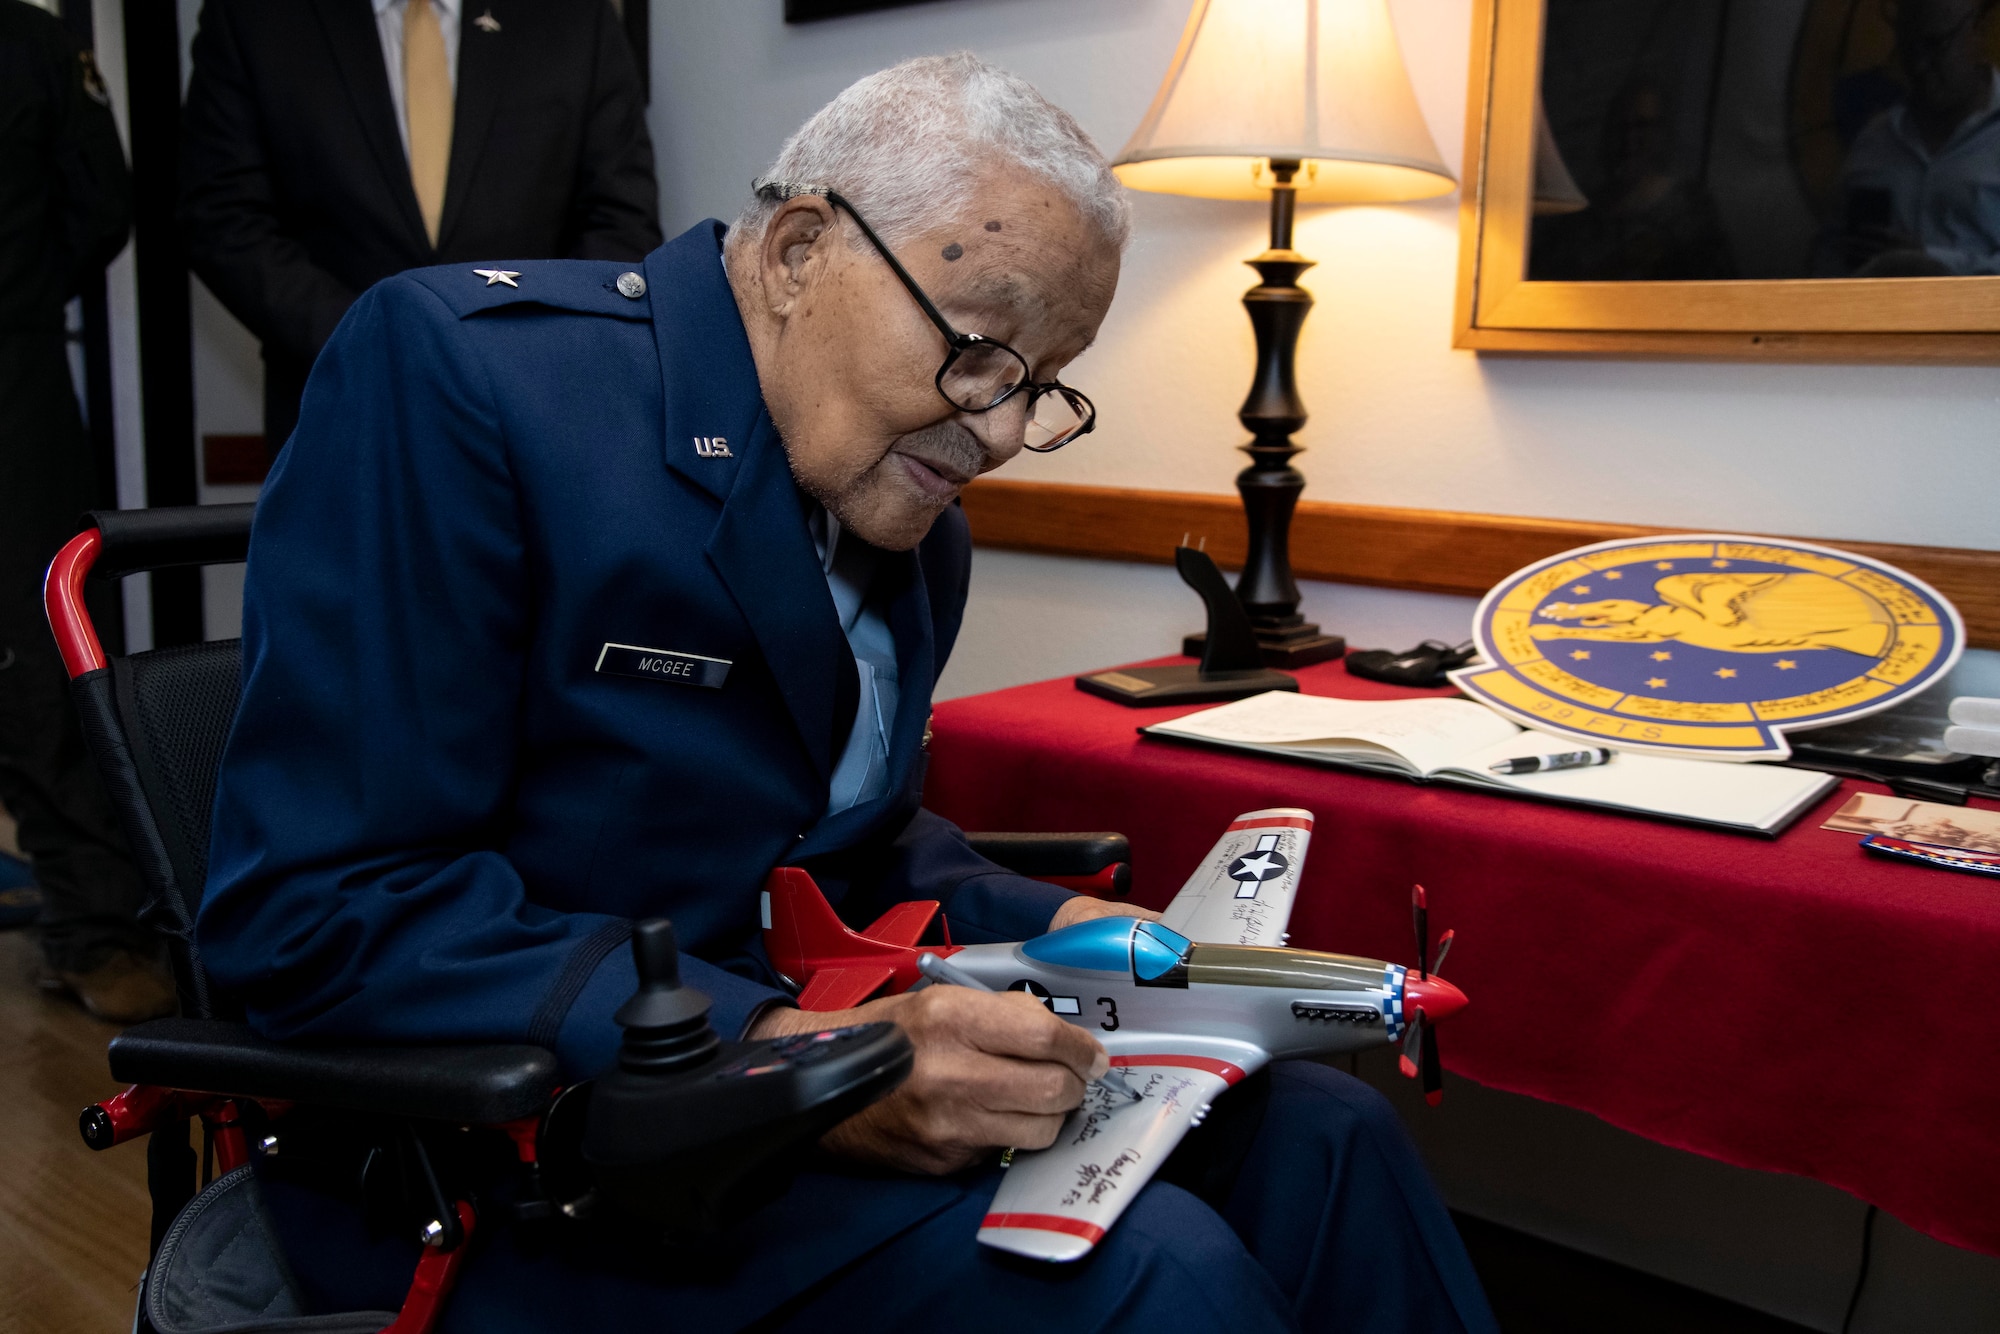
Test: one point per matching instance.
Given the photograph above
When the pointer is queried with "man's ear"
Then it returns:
(795, 240)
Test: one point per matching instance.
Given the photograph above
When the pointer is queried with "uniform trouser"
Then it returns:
(1301, 1205)
(67, 828)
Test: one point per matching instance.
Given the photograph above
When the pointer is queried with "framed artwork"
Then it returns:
(1783, 179)
(805, 11)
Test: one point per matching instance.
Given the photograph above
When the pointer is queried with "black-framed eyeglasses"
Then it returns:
(979, 373)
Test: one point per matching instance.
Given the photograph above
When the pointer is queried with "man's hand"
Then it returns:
(992, 1071)
(1082, 908)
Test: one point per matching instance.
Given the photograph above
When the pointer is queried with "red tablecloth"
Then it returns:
(1793, 1005)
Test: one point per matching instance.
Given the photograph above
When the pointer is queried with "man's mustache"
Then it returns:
(948, 448)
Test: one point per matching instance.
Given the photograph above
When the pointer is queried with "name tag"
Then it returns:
(659, 664)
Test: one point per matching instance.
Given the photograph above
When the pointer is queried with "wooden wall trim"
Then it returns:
(1435, 551)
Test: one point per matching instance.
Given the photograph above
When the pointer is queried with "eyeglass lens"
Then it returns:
(1054, 419)
(980, 375)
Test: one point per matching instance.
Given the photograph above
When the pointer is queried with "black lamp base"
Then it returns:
(1181, 684)
(1299, 644)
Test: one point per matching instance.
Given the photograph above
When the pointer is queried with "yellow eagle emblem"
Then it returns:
(1706, 645)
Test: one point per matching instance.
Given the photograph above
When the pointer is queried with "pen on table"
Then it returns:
(950, 974)
(1541, 764)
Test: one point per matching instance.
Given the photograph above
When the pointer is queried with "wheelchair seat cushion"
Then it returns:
(220, 1270)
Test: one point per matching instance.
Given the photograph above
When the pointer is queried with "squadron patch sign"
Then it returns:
(1706, 645)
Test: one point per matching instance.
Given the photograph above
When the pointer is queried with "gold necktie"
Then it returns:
(427, 108)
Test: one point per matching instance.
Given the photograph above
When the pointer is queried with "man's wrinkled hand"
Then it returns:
(993, 1070)
(1082, 908)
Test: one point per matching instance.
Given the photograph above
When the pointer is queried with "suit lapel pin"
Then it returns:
(486, 22)
(493, 276)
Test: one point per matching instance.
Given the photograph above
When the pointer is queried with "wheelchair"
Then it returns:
(686, 1134)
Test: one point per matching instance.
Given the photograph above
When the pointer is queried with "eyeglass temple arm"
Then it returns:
(951, 335)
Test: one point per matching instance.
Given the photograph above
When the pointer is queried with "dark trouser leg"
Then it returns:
(1335, 1204)
(1170, 1266)
(67, 827)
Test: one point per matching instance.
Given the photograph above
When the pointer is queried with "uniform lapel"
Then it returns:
(357, 52)
(717, 435)
(764, 553)
(484, 62)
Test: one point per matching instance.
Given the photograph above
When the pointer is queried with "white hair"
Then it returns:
(907, 145)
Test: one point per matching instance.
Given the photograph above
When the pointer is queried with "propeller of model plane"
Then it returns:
(1427, 1000)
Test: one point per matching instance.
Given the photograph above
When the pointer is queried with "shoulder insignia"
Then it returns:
(577, 286)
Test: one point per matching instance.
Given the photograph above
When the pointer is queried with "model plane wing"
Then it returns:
(1242, 892)
(1057, 1203)
(843, 988)
(904, 924)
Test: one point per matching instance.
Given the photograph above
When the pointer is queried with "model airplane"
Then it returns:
(1185, 1006)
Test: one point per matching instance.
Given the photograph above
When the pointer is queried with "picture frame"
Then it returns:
(1500, 308)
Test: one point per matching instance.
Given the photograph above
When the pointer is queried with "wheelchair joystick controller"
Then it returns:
(689, 1133)
(666, 1024)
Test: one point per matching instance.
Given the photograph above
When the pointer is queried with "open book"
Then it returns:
(1455, 740)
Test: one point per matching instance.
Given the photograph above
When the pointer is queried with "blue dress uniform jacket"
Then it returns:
(438, 811)
(440, 808)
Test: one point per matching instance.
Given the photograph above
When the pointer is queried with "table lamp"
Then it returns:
(1301, 100)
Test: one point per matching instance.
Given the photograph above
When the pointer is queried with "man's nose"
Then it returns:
(1002, 430)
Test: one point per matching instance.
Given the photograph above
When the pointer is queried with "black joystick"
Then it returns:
(690, 1133)
(665, 1023)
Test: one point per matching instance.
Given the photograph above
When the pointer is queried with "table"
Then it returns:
(1789, 1004)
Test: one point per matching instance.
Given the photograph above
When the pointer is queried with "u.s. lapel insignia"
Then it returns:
(1706, 645)
(486, 22)
(712, 447)
(493, 276)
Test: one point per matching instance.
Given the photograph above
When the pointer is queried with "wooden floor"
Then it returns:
(72, 1222)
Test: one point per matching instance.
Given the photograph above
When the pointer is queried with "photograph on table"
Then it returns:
(1927, 822)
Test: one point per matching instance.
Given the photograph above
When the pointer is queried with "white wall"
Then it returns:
(1909, 454)
(1896, 454)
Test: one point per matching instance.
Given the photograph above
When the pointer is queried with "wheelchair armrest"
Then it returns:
(465, 1085)
(1052, 854)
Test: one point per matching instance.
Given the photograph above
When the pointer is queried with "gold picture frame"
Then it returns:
(1944, 319)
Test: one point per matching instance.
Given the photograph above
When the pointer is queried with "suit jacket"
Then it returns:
(295, 190)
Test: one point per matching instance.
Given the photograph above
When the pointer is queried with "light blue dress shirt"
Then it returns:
(862, 773)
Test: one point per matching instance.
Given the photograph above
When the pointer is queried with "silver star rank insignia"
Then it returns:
(493, 276)
(486, 22)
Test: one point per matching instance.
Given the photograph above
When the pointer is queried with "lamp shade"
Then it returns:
(1317, 81)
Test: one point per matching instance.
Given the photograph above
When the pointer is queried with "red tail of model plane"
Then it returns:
(834, 966)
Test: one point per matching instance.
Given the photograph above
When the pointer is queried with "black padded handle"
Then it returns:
(1052, 854)
(156, 539)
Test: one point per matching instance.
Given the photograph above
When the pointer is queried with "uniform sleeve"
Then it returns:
(228, 208)
(359, 887)
(614, 209)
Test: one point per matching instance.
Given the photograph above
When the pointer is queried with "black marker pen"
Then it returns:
(1541, 764)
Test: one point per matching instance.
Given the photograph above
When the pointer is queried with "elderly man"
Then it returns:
(451, 786)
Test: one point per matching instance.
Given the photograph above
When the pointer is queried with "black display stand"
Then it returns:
(1270, 486)
(1231, 661)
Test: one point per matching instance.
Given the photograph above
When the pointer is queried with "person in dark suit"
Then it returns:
(65, 210)
(454, 781)
(330, 143)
